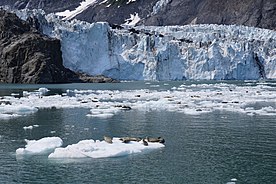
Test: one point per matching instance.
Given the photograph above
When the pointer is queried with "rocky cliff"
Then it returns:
(257, 13)
(26, 56)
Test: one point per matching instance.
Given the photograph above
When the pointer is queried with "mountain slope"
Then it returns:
(257, 13)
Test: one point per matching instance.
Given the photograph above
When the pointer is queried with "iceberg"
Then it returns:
(191, 52)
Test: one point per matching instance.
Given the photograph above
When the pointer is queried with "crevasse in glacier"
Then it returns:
(163, 53)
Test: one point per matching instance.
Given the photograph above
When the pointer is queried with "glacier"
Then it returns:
(190, 52)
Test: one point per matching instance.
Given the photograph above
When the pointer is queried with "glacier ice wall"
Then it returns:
(163, 53)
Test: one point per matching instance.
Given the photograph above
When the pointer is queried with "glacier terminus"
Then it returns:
(190, 52)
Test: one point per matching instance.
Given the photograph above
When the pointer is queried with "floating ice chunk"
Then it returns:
(15, 94)
(22, 109)
(105, 115)
(26, 93)
(43, 91)
(28, 127)
(232, 181)
(70, 93)
(17, 110)
(8, 116)
(42, 146)
(101, 149)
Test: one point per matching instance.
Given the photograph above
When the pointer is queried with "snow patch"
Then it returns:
(67, 14)
(130, 1)
(133, 20)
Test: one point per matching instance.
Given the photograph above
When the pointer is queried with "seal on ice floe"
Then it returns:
(108, 139)
(159, 140)
(128, 139)
(145, 142)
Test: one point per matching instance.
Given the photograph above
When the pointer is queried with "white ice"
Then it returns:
(30, 127)
(15, 110)
(43, 90)
(101, 149)
(42, 146)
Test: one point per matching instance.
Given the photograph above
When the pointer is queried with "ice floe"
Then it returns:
(15, 110)
(102, 149)
(42, 146)
(51, 146)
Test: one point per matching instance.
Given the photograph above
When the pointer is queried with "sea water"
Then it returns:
(217, 146)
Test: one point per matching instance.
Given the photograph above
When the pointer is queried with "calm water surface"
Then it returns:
(210, 148)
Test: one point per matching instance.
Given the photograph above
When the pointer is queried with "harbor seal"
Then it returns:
(128, 139)
(159, 140)
(108, 139)
(145, 142)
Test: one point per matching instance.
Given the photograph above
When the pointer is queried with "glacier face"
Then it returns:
(163, 53)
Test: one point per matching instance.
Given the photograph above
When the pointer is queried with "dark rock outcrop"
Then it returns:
(257, 13)
(26, 56)
(48, 5)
